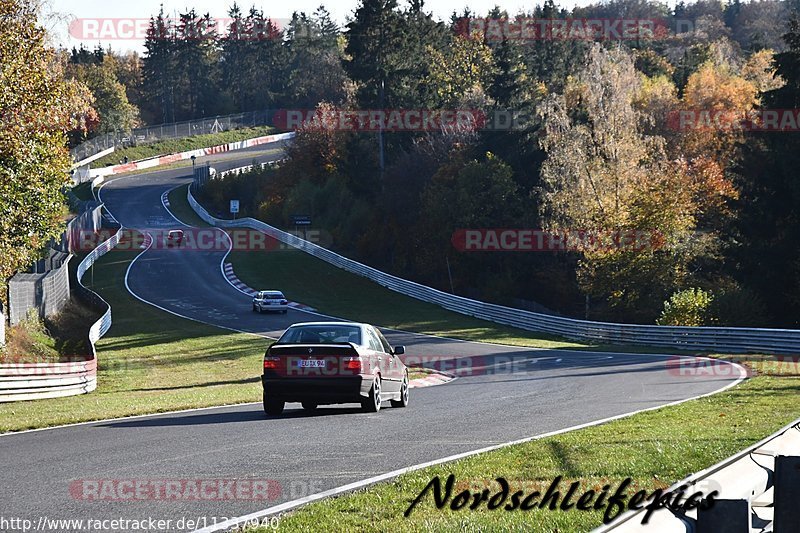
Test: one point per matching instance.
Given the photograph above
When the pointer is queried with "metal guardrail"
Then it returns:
(35, 381)
(248, 168)
(756, 488)
(102, 325)
(731, 340)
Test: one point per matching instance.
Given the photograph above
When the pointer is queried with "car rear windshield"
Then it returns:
(273, 295)
(321, 334)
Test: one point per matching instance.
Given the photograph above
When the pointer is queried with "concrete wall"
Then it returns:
(46, 286)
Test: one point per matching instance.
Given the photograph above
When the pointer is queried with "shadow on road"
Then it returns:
(252, 414)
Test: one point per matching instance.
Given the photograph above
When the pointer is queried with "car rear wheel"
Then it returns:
(310, 406)
(372, 403)
(272, 406)
(403, 401)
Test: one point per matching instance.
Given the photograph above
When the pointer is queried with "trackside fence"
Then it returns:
(730, 340)
(35, 381)
(174, 130)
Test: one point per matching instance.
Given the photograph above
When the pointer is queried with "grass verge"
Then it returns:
(172, 146)
(655, 449)
(150, 361)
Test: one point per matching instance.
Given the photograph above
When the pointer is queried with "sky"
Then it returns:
(91, 12)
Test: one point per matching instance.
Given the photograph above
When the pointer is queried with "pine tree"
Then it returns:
(158, 68)
(769, 204)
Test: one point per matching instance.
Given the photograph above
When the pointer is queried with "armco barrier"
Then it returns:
(247, 168)
(730, 340)
(35, 381)
(758, 484)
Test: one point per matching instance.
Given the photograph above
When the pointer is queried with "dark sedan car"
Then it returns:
(319, 363)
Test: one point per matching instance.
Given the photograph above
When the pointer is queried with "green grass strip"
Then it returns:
(174, 146)
(655, 449)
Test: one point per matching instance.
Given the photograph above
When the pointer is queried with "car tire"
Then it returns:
(272, 406)
(403, 401)
(284, 311)
(255, 309)
(372, 403)
(310, 406)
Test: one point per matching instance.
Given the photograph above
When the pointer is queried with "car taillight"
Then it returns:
(271, 362)
(352, 363)
(284, 302)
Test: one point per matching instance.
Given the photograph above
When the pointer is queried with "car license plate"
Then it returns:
(312, 363)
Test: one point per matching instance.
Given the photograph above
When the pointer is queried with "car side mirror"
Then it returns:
(399, 350)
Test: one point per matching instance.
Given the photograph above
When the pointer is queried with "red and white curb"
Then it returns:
(200, 152)
(434, 378)
(239, 284)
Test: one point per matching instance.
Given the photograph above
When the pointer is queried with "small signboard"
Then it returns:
(234, 206)
(301, 220)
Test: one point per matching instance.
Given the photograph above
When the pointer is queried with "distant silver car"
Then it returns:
(270, 301)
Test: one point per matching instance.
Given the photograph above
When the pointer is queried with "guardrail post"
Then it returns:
(786, 495)
(730, 516)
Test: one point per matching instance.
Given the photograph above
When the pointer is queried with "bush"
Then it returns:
(690, 307)
(30, 342)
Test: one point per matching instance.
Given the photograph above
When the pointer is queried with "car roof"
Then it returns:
(330, 323)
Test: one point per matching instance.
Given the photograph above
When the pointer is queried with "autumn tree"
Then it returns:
(718, 99)
(460, 72)
(37, 107)
(115, 112)
(602, 175)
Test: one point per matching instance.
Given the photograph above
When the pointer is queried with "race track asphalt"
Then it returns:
(301, 453)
